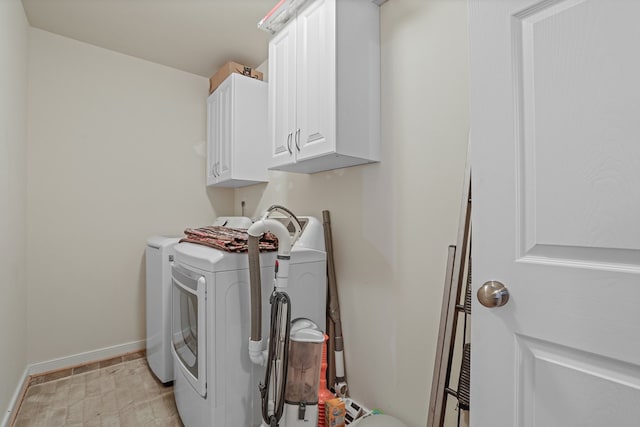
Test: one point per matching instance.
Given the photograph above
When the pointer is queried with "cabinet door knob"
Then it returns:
(298, 139)
(289, 143)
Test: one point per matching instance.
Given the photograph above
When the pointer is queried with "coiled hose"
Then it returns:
(278, 358)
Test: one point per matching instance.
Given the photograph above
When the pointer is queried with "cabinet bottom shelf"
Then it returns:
(324, 163)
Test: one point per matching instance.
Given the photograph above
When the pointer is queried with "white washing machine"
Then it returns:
(159, 257)
(216, 385)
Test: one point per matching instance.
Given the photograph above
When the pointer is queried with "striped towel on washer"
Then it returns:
(227, 239)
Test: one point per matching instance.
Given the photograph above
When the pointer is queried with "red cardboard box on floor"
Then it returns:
(334, 413)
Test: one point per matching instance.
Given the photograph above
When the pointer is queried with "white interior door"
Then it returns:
(555, 133)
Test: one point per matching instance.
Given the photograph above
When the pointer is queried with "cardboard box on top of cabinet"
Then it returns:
(227, 69)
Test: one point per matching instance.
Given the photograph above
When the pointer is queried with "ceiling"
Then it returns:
(197, 36)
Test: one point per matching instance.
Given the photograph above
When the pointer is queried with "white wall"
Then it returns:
(13, 163)
(116, 154)
(393, 221)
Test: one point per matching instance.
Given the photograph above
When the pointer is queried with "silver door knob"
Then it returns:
(493, 294)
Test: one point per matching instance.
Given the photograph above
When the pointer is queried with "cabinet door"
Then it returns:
(225, 132)
(213, 106)
(282, 95)
(316, 79)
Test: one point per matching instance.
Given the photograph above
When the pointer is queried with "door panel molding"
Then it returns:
(552, 377)
(576, 179)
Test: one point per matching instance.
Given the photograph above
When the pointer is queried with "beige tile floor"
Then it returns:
(125, 394)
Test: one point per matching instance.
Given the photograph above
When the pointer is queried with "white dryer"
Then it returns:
(216, 385)
(159, 258)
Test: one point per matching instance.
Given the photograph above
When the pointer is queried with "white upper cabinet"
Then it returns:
(237, 153)
(282, 94)
(324, 87)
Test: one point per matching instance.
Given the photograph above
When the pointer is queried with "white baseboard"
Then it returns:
(14, 400)
(89, 356)
(67, 362)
